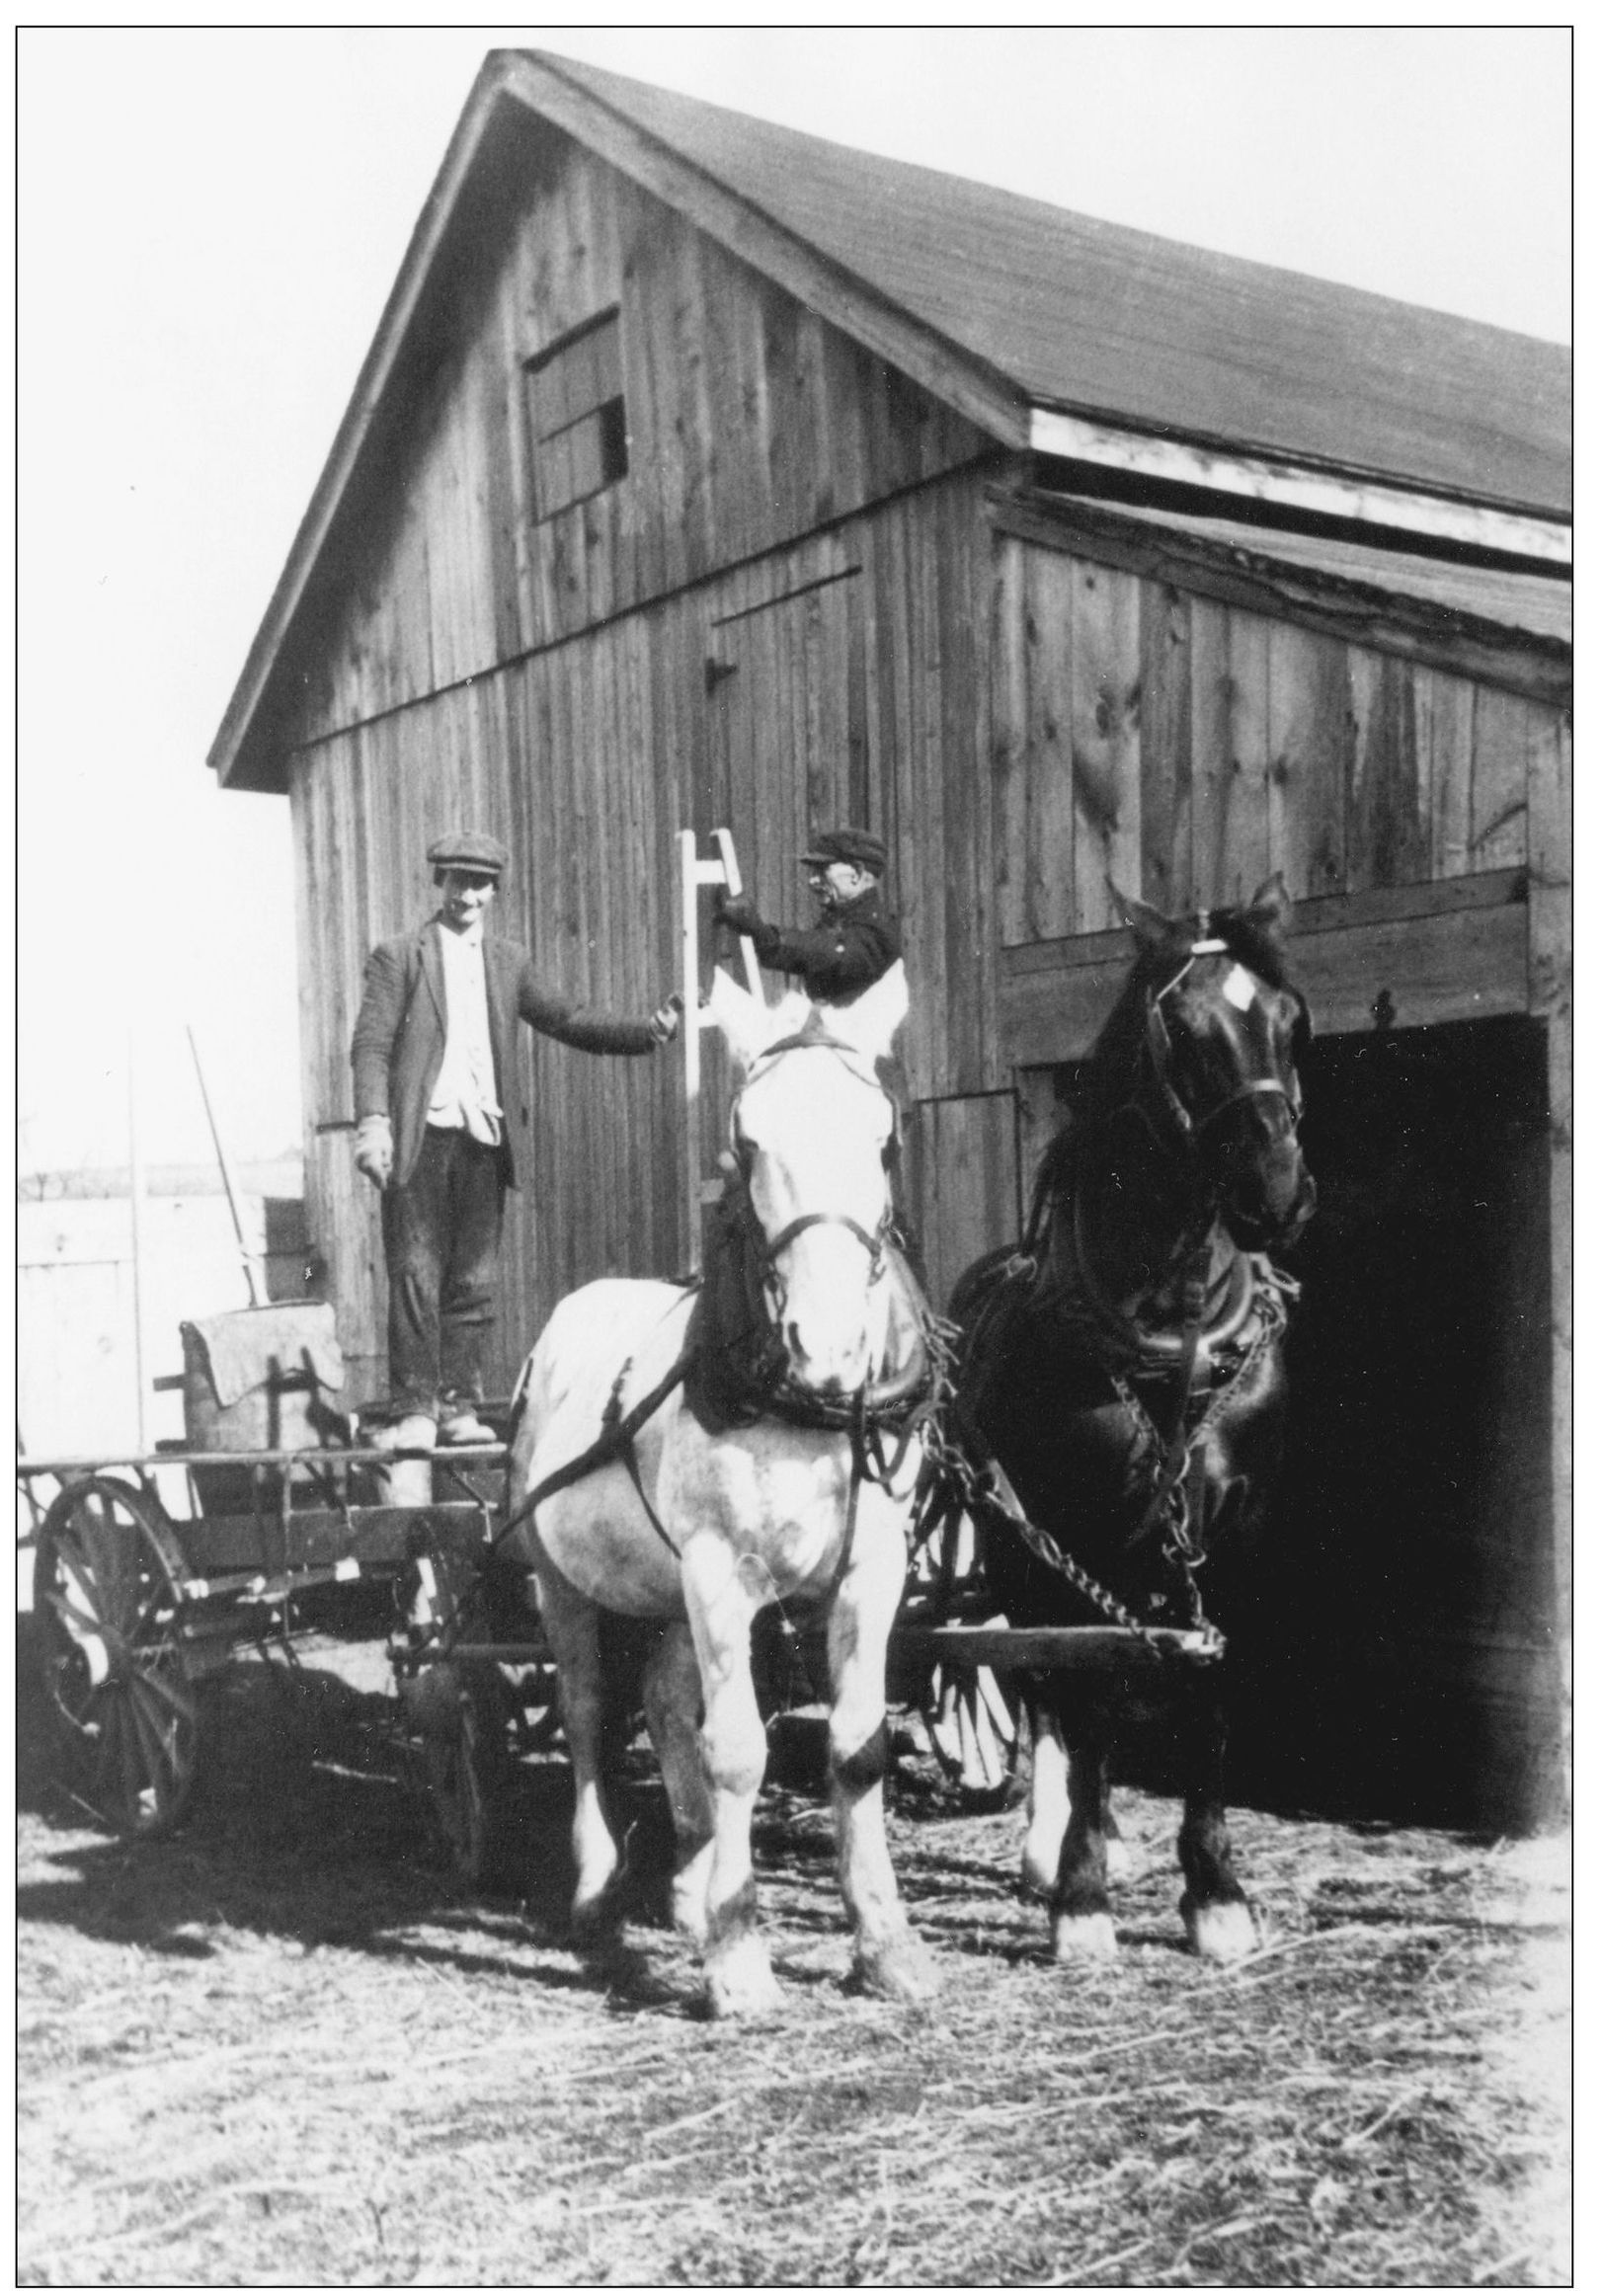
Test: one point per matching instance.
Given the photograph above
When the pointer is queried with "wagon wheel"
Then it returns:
(977, 1728)
(977, 1724)
(108, 1604)
(467, 1768)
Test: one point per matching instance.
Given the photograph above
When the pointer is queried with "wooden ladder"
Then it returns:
(693, 873)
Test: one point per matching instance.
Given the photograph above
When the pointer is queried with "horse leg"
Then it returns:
(734, 1751)
(1082, 1917)
(572, 1626)
(1048, 1812)
(672, 1715)
(1216, 1917)
(889, 1959)
(1047, 1819)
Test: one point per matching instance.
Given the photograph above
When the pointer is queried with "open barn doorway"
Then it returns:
(1400, 1662)
(1413, 1653)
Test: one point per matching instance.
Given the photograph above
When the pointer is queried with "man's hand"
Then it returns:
(737, 910)
(663, 1022)
(376, 1149)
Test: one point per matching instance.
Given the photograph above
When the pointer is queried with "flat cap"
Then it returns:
(470, 849)
(859, 845)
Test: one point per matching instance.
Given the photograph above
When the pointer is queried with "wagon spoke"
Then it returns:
(77, 1623)
(168, 1752)
(170, 1686)
(110, 1561)
(153, 1737)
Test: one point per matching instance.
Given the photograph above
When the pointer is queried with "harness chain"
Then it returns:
(1171, 1493)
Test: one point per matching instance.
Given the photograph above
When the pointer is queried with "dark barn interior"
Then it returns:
(1419, 1436)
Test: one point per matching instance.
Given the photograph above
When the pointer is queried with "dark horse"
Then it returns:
(1124, 1371)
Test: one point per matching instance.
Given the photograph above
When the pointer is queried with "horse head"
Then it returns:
(810, 1129)
(1221, 1030)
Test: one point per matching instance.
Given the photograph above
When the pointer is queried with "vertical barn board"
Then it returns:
(1551, 927)
(896, 673)
(1244, 844)
(1387, 810)
(1306, 755)
(1165, 872)
(1009, 703)
(970, 934)
(1212, 754)
(692, 417)
(724, 298)
(964, 1181)
(1499, 793)
(1105, 740)
(1451, 771)
(505, 480)
(915, 517)
(1048, 628)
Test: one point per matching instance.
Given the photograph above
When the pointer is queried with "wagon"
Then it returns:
(140, 1606)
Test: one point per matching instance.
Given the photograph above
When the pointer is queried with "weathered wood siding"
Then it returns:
(1187, 749)
(841, 676)
(751, 423)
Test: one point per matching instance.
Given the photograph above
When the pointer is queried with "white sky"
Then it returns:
(208, 224)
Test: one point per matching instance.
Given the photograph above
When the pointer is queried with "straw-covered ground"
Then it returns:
(286, 2047)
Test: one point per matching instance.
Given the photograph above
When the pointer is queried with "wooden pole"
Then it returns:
(230, 1188)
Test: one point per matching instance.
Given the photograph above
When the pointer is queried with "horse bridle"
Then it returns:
(1160, 1047)
(767, 1248)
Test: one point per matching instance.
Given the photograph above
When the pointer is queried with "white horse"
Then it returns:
(803, 1499)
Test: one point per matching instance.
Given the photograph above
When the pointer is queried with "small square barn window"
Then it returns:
(576, 419)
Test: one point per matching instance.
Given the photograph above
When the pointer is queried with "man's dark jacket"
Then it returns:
(399, 1041)
(837, 959)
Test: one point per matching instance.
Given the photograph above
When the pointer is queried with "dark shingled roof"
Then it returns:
(1146, 332)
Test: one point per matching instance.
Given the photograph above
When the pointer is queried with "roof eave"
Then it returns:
(1322, 490)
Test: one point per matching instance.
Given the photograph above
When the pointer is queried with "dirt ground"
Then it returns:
(286, 2048)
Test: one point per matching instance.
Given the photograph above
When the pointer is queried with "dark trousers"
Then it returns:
(441, 1244)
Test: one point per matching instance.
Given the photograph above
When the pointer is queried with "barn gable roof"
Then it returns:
(1115, 323)
(1011, 311)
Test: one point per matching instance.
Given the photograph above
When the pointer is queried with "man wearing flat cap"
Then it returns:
(854, 941)
(434, 1055)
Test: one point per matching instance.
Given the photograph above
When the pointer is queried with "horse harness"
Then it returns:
(905, 1406)
(1208, 1359)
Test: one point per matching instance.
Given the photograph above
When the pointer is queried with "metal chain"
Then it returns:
(1181, 1548)
(975, 1490)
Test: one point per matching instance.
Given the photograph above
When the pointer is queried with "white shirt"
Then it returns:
(464, 1094)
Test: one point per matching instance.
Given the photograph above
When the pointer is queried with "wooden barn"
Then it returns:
(702, 472)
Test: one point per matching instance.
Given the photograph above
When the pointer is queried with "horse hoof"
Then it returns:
(1223, 1931)
(1079, 1937)
(902, 1969)
(740, 1983)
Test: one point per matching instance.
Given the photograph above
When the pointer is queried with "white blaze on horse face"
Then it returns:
(814, 1132)
(1240, 989)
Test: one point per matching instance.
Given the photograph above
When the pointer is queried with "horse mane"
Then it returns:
(1103, 1087)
